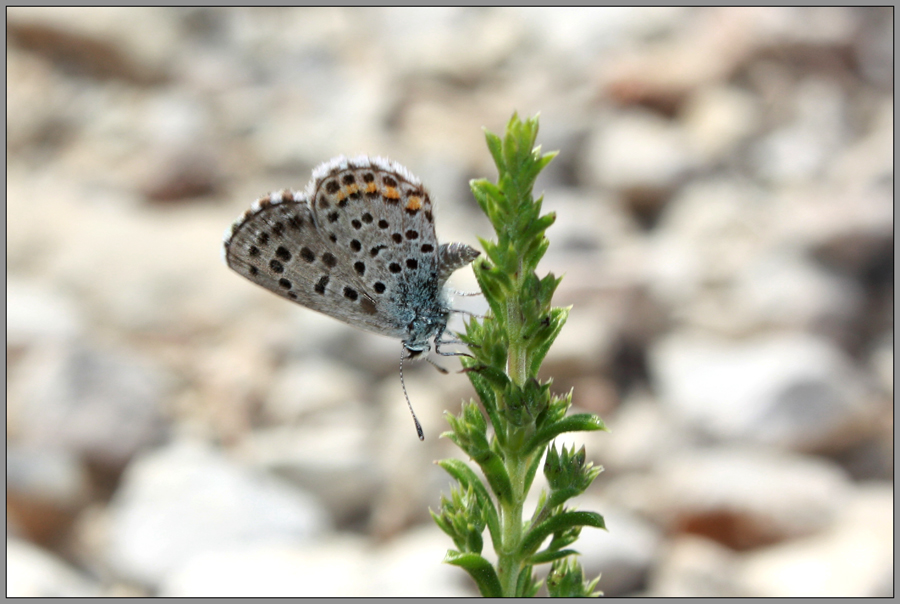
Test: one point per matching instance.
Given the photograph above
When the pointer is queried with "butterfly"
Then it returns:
(358, 244)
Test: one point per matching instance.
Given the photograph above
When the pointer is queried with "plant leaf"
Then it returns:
(581, 422)
(557, 523)
(480, 570)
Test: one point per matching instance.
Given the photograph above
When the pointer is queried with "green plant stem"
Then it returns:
(517, 367)
(509, 561)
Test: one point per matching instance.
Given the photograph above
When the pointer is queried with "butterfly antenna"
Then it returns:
(415, 419)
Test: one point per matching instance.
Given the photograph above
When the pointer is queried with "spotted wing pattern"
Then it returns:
(379, 218)
(276, 245)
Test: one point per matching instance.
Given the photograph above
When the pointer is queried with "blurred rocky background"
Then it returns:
(725, 227)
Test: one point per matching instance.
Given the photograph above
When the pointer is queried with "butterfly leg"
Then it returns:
(438, 342)
(467, 312)
(436, 366)
(456, 292)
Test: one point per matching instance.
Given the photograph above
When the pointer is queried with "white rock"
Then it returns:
(639, 150)
(412, 566)
(35, 311)
(329, 455)
(345, 566)
(35, 573)
(292, 331)
(706, 234)
(825, 25)
(854, 558)
(739, 497)
(802, 149)
(642, 433)
(792, 390)
(869, 159)
(623, 554)
(717, 118)
(785, 288)
(580, 33)
(186, 499)
(585, 341)
(310, 384)
(103, 404)
(93, 241)
(585, 221)
(695, 567)
(437, 33)
(46, 475)
(335, 568)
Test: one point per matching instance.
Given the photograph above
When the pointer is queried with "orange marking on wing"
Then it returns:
(391, 193)
(414, 204)
(371, 187)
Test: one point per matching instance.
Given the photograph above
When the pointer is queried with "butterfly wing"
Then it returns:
(277, 245)
(379, 217)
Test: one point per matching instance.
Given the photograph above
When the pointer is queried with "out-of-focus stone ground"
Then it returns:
(724, 199)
